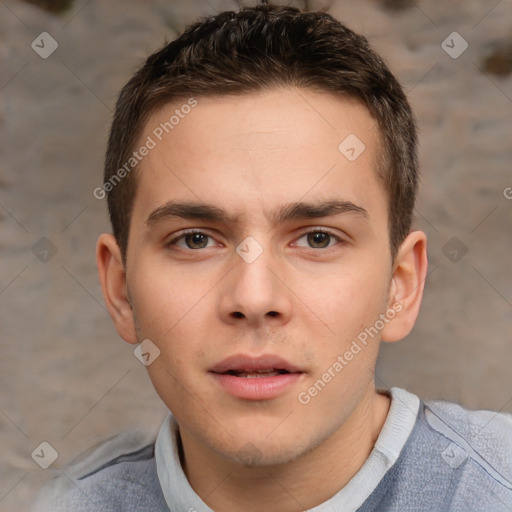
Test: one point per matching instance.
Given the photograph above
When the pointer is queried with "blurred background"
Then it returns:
(66, 378)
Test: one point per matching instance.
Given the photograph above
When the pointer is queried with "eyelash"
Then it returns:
(174, 241)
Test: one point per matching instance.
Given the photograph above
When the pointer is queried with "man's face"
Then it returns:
(289, 263)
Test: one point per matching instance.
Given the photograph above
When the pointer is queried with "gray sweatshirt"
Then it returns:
(433, 456)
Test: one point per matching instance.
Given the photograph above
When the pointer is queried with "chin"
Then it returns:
(265, 450)
(252, 456)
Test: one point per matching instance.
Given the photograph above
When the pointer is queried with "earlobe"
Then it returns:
(112, 277)
(406, 290)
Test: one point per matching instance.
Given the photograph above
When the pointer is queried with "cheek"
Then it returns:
(170, 309)
(347, 301)
(349, 304)
(165, 299)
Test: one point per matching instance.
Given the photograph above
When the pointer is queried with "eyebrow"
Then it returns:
(282, 214)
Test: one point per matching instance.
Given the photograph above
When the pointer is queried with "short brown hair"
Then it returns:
(260, 48)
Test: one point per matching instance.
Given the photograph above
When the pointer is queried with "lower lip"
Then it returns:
(257, 388)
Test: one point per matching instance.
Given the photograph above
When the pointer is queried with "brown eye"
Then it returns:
(319, 239)
(192, 240)
(196, 240)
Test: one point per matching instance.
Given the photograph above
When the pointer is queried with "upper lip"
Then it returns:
(246, 363)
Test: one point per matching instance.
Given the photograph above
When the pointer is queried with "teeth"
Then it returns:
(257, 373)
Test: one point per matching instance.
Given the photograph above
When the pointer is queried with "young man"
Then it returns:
(261, 174)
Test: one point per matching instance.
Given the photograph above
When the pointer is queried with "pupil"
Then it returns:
(318, 239)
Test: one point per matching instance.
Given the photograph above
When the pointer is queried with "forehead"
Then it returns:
(250, 152)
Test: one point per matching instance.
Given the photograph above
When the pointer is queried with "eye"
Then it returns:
(192, 240)
(318, 239)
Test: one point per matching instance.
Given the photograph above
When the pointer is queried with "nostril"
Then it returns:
(237, 314)
(272, 313)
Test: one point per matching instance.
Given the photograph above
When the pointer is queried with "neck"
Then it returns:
(301, 484)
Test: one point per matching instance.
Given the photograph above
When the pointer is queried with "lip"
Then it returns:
(259, 388)
(246, 363)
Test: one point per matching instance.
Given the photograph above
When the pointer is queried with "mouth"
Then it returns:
(256, 378)
(242, 364)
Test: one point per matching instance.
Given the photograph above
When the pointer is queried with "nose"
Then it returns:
(255, 292)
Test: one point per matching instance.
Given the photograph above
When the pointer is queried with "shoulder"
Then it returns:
(485, 436)
(464, 455)
(454, 459)
(126, 481)
(472, 422)
(127, 484)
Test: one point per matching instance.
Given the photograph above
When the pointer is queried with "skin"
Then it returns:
(250, 155)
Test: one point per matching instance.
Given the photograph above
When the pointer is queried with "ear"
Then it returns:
(406, 290)
(113, 285)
